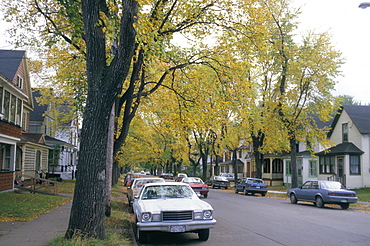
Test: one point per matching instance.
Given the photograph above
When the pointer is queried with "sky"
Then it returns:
(349, 26)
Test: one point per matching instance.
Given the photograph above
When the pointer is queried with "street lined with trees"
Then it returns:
(242, 75)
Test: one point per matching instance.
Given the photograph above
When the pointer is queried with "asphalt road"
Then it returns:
(255, 220)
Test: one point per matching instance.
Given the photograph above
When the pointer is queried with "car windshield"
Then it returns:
(332, 185)
(192, 180)
(140, 183)
(167, 191)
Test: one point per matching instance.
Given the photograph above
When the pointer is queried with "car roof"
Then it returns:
(146, 178)
(165, 183)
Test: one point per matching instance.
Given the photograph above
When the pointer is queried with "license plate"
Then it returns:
(344, 200)
(177, 228)
(258, 187)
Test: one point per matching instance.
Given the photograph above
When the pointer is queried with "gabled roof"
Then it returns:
(10, 61)
(53, 141)
(359, 114)
(347, 148)
(33, 138)
(39, 110)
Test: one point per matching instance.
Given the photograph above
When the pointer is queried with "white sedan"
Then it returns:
(171, 207)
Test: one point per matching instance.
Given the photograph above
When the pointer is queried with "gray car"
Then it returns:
(322, 192)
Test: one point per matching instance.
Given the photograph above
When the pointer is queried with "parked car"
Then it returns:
(130, 177)
(218, 181)
(228, 176)
(180, 176)
(166, 175)
(171, 207)
(322, 192)
(136, 186)
(197, 184)
(251, 185)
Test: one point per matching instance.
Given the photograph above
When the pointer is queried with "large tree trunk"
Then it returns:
(235, 166)
(87, 213)
(258, 156)
(109, 163)
(293, 162)
(104, 84)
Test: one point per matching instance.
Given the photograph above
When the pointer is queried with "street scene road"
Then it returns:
(255, 220)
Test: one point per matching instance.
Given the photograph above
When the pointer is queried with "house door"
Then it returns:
(340, 171)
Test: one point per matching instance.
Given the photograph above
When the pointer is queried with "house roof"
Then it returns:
(52, 141)
(33, 138)
(9, 62)
(37, 113)
(346, 148)
(359, 114)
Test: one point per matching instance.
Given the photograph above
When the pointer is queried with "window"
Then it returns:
(345, 132)
(19, 81)
(312, 169)
(38, 160)
(327, 164)
(354, 165)
(7, 157)
(10, 107)
(266, 166)
(277, 166)
(288, 170)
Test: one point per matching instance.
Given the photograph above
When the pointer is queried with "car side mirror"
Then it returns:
(136, 197)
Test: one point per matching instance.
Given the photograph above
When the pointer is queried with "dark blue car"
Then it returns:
(251, 185)
(322, 192)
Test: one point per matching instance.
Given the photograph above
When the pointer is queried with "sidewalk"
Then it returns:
(38, 232)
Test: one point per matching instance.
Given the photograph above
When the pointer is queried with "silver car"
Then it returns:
(136, 185)
(171, 207)
(322, 192)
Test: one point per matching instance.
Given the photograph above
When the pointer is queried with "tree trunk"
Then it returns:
(258, 156)
(109, 162)
(88, 206)
(293, 162)
(204, 165)
(235, 166)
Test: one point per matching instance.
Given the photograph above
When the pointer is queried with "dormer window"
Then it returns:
(19, 81)
(345, 132)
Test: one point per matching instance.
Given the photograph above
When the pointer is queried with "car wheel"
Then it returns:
(263, 194)
(226, 187)
(205, 195)
(213, 186)
(319, 202)
(344, 205)
(236, 191)
(245, 191)
(203, 235)
(293, 198)
(142, 236)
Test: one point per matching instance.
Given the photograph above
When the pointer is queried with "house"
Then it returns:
(61, 138)
(21, 155)
(348, 161)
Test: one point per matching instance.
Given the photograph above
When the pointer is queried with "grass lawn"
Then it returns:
(27, 206)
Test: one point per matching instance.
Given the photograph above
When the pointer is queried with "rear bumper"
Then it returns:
(341, 199)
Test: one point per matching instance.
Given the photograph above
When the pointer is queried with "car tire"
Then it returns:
(142, 236)
(213, 186)
(205, 195)
(344, 205)
(293, 198)
(245, 191)
(263, 194)
(319, 202)
(203, 234)
(236, 191)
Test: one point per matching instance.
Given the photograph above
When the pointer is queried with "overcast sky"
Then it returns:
(350, 27)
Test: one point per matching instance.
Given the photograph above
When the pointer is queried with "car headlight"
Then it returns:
(146, 217)
(207, 214)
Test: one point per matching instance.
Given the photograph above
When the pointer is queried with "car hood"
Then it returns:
(158, 205)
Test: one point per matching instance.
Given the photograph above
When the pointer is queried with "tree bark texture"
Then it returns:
(104, 84)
